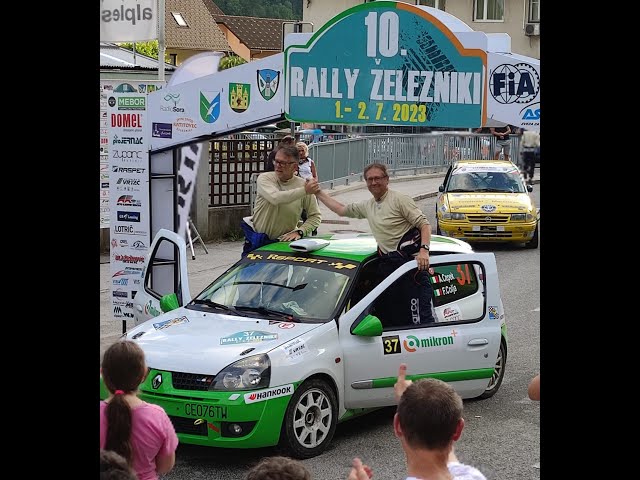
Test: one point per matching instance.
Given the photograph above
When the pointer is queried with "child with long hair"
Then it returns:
(139, 431)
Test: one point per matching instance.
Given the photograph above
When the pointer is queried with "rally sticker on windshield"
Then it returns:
(170, 323)
(276, 392)
(248, 336)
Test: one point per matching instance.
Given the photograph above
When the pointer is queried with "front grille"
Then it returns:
(485, 234)
(191, 381)
(480, 218)
(185, 425)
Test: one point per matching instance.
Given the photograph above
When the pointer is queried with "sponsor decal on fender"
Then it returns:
(270, 393)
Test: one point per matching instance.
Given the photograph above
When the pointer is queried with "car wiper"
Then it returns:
(459, 190)
(210, 303)
(268, 311)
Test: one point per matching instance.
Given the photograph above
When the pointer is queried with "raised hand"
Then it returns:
(311, 186)
(402, 383)
(360, 471)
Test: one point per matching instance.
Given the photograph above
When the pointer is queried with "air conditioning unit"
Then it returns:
(531, 29)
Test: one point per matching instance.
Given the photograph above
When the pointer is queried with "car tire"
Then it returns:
(498, 373)
(533, 243)
(438, 231)
(310, 420)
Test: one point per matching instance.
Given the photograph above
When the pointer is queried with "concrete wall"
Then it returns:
(181, 54)
(236, 45)
(224, 223)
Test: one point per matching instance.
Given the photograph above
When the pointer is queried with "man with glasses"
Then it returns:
(400, 229)
(280, 199)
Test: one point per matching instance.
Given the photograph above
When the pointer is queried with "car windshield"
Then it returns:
(291, 291)
(468, 179)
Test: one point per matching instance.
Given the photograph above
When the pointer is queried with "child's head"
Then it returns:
(279, 468)
(123, 367)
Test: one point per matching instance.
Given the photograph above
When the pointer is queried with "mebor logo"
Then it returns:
(269, 393)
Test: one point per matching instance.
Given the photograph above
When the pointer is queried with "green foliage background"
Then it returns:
(230, 62)
(150, 49)
(287, 9)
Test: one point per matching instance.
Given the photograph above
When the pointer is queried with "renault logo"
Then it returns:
(157, 381)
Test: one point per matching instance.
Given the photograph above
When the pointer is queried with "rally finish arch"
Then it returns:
(384, 63)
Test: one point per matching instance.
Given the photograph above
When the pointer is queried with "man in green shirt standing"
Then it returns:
(280, 199)
(398, 225)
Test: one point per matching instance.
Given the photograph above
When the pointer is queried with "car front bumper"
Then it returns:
(487, 231)
(209, 418)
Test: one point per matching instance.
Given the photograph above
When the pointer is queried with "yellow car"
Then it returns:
(487, 201)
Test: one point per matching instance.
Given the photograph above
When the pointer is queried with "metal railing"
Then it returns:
(341, 162)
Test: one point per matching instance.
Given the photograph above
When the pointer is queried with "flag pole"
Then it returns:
(161, 41)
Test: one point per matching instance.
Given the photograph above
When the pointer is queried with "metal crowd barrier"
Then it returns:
(341, 162)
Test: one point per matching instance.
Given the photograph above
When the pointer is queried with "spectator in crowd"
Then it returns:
(286, 140)
(113, 466)
(503, 142)
(306, 165)
(359, 471)
(528, 145)
(483, 142)
(534, 388)
(307, 170)
(401, 231)
(279, 468)
(428, 423)
(280, 199)
(138, 431)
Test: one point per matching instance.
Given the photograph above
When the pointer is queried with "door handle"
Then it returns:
(139, 308)
(476, 342)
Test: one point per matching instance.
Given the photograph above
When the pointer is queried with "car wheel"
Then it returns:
(533, 243)
(310, 420)
(498, 373)
(438, 231)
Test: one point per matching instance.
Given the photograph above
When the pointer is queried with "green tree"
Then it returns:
(230, 62)
(150, 49)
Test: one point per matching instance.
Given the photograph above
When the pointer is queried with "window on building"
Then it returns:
(534, 11)
(177, 16)
(439, 4)
(488, 11)
(173, 58)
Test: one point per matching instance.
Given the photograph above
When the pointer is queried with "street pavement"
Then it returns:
(206, 267)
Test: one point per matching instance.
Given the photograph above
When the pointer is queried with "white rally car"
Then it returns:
(296, 337)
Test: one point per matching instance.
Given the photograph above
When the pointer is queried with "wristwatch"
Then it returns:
(300, 232)
(425, 246)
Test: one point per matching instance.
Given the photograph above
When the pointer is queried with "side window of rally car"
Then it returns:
(453, 293)
(458, 292)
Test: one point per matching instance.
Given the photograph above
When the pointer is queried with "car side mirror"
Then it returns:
(169, 302)
(529, 188)
(370, 326)
(441, 188)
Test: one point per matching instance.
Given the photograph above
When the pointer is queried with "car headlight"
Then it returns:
(521, 217)
(453, 216)
(250, 373)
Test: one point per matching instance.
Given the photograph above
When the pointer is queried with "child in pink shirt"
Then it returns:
(139, 431)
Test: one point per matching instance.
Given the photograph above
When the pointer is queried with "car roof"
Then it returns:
(359, 247)
(484, 163)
